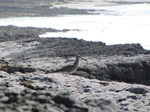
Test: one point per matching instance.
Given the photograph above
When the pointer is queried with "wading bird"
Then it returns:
(71, 68)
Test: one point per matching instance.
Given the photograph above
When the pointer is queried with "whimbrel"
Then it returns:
(71, 68)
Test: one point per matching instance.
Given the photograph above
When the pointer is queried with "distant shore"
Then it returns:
(46, 8)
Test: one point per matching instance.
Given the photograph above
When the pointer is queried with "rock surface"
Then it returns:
(109, 82)
(58, 92)
(36, 8)
(128, 62)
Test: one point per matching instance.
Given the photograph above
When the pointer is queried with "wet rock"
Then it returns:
(60, 99)
(104, 83)
(133, 69)
(122, 73)
(27, 81)
(70, 103)
(83, 95)
(9, 97)
(11, 93)
(146, 65)
(86, 89)
(45, 79)
(127, 62)
(132, 97)
(138, 90)
(3, 74)
(121, 99)
(125, 66)
(104, 105)
(4, 99)
(42, 99)
(11, 68)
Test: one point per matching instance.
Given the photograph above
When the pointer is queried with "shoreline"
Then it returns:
(55, 8)
(74, 32)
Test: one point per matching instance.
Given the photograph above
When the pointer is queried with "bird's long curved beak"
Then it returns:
(83, 58)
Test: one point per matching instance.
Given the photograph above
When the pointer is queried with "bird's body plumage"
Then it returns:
(71, 68)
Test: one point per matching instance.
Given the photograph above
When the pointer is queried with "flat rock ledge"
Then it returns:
(115, 79)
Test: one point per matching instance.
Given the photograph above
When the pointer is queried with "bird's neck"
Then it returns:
(77, 61)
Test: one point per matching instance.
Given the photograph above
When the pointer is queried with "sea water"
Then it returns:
(116, 24)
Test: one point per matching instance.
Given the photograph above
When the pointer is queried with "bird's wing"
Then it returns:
(66, 68)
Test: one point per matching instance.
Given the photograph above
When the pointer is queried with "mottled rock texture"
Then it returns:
(109, 82)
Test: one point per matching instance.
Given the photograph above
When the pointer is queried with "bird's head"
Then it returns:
(78, 56)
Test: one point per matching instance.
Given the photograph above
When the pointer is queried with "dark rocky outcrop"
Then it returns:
(11, 68)
(12, 33)
(27, 81)
(126, 62)
(133, 69)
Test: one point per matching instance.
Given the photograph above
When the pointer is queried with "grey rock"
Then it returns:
(11, 68)
(138, 90)
(104, 105)
(133, 97)
(111, 96)
(27, 81)
(4, 99)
